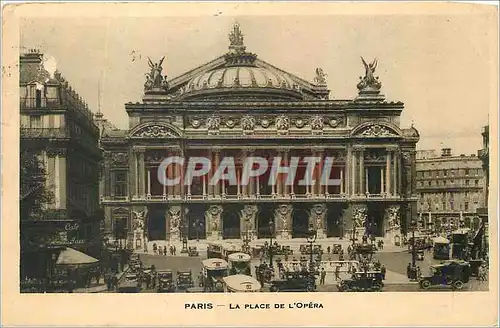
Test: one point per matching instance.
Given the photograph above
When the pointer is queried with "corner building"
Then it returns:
(237, 105)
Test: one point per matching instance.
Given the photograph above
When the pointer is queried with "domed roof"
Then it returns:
(240, 77)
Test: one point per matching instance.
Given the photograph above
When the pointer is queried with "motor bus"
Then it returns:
(213, 272)
(239, 263)
(221, 250)
(241, 283)
(441, 249)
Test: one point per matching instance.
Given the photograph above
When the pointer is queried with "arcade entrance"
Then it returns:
(375, 219)
(300, 220)
(196, 221)
(231, 221)
(264, 217)
(157, 225)
(335, 225)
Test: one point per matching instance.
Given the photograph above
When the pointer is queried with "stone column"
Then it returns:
(244, 188)
(353, 173)
(286, 161)
(361, 172)
(319, 171)
(132, 179)
(396, 174)
(213, 222)
(342, 191)
(382, 180)
(170, 175)
(107, 173)
(178, 173)
(283, 221)
(149, 184)
(347, 166)
(209, 175)
(388, 172)
(142, 174)
(217, 186)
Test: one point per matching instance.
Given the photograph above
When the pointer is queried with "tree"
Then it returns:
(34, 194)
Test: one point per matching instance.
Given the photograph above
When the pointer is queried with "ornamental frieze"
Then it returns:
(300, 122)
(154, 156)
(195, 122)
(247, 123)
(317, 124)
(230, 122)
(282, 124)
(119, 158)
(334, 121)
(213, 123)
(377, 131)
(265, 122)
(155, 131)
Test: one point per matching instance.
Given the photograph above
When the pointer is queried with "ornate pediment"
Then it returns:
(375, 130)
(155, 131)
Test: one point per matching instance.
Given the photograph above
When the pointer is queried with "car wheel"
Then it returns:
(377, 287)
(310, 288)
(425, 284)
(274, 289)
(458, 285)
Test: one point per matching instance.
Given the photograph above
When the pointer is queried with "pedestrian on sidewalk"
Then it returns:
(337, 273)
(175, 251)
(165, 250)
(383, 271)
(323, 276)
(155, 248)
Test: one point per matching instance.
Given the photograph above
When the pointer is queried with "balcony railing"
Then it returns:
(28, 103)
(56, 133)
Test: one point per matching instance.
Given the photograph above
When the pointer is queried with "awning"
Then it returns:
(71, 256)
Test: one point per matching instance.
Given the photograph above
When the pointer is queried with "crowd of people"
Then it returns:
(159, 250)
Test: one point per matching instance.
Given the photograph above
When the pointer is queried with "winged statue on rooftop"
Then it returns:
(155, 79)
(369, 80)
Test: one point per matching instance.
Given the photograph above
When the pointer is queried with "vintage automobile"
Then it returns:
(337, 248)
(362, 281)
(449, 273)
(239, 263)
(129, 284)
(294, 281)
(184, 280)
(213, 271)
(193, 251)
(165, 281)
(420, 255)
(240, 283)
(306, 249)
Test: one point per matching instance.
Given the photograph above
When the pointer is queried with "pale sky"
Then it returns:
(435, 64)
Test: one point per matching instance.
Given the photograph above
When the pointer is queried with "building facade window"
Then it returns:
(476, 183)
(120, 183)
(466, 206)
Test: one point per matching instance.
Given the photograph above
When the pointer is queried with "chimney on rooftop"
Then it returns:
(445, 152)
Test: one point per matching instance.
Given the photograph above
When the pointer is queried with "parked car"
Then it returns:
(184, 280)
(370, 281)
(165, 281)
(294, 281)
(129, 284)
(450, 273)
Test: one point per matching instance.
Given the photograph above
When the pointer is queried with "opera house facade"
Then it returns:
(239, 106)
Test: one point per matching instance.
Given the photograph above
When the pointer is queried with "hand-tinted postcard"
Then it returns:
(209, 164)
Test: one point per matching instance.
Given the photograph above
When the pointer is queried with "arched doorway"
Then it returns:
(264, 216)
(120, 225)
(231, 221)
(375, 219)
(300, 220)
(196, 221)
(335, 225)
(157, 224)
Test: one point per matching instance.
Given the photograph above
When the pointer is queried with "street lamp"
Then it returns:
(184, 249)
(413, 249)
(271, 231)
(311, 238)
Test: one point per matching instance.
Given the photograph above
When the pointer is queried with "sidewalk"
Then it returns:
(293, 243)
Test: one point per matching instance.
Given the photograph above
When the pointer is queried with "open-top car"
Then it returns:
(362, 281)
(184, 279)
(165, 281)
(294, 281)
(449, 273)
